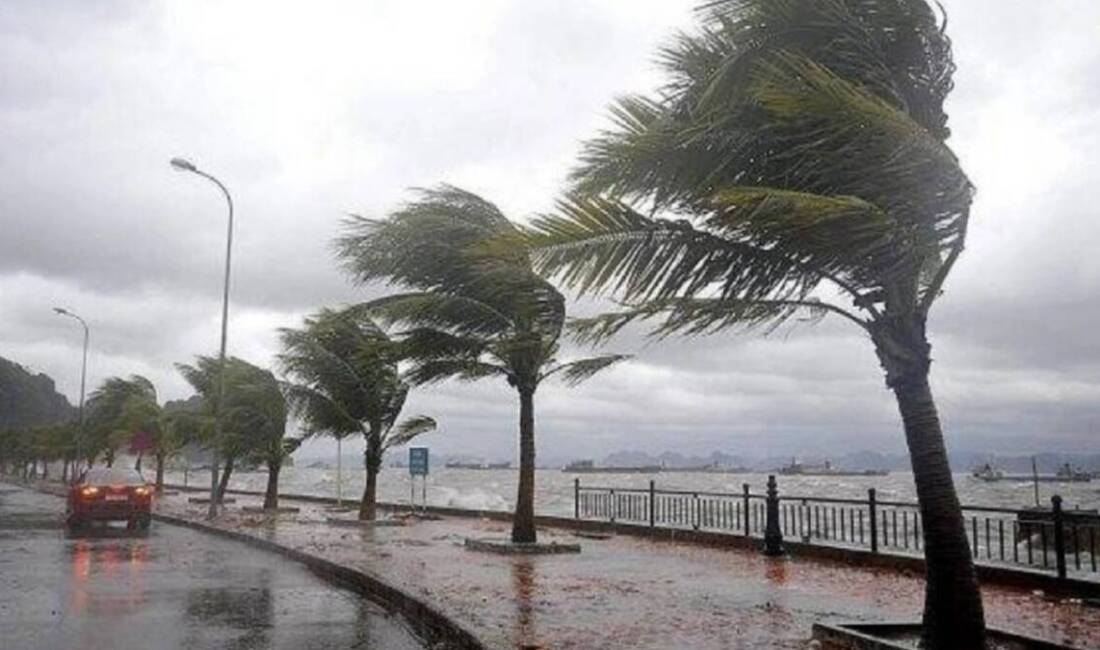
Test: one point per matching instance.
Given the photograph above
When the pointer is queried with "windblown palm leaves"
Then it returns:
(794, 164)
(117, 410)
(471, 305)
(254, 413)
(803, 141)
(346, 381)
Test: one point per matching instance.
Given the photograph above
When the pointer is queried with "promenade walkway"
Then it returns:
(626, 592)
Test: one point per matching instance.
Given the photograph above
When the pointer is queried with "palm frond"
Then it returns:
(577, 372)
(700, 316)
(461, 314)
(596, 245)
(432, 371)
(408, 429)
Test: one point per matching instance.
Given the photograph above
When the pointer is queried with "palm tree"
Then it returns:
(346, 382)
(118, 409)
(474, 308)
(257, 406)
(799, 151)
(253, 416)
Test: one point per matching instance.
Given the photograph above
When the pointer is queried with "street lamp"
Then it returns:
(83, 375)
(183, 165)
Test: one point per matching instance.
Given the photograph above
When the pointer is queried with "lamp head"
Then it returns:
(182, 165)
(61, 311)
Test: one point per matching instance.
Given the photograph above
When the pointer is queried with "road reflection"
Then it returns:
(107, 556)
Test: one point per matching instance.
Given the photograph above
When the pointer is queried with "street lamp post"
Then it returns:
(83, 376)
(180, 164)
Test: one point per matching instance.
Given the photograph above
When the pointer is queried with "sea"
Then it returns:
(495, 489)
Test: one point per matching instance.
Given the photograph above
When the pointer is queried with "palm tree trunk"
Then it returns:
(373, 459)
(224, 483)
(953, 614)
(160, 473)
(271, 495)
(523, 522)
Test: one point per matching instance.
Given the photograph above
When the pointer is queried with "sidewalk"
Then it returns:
(625, 592)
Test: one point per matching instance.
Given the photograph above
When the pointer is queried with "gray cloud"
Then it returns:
(309, 114)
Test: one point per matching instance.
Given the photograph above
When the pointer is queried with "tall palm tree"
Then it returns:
(794, 164)
(346, 382)
(474, 306)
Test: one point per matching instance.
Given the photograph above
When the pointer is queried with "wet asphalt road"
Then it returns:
(175, 588)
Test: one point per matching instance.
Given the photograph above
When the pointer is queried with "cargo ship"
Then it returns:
(825, 469)
(1065, 474)
(588, 467)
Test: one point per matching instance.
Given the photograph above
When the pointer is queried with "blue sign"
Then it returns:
(418, 461)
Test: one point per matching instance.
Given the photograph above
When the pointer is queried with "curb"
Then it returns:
(434, 627)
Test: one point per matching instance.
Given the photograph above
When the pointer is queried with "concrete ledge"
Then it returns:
(260, 510)
(432, 625)
(225, 501)
(897, 636)
(368, 523)
(508, 547)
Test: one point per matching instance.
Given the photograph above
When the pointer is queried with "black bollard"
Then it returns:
(773, 534)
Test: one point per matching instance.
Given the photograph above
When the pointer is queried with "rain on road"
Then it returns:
(175, 588)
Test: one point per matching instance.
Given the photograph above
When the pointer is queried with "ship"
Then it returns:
(1065, 474)
(588, 467)
(825, 469)
(462, 465)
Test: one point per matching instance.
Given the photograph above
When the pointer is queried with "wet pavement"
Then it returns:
(627, 592)
(175, 588)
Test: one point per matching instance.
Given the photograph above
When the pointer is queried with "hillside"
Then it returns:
(27, 399)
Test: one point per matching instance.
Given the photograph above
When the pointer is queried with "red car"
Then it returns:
(110, 494)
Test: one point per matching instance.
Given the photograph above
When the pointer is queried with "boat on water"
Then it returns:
(825, 469)
(713, 468)
(461, 465)
(588, 467)
(1065, 474)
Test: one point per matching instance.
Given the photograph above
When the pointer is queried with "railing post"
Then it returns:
(652, 504)
(576, 498)
(748, 525)
(1059, 536)
(611, 505)
(873, 511)
(773, 534)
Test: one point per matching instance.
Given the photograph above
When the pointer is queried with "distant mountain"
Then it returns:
(29, 400)
(961, 461)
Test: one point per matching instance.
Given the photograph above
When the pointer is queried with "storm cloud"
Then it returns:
(309, 113)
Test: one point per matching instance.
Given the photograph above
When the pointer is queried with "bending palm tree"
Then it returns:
(476, 308)
(254, 414)
(347, 379)
(116, 410)
(804, 142)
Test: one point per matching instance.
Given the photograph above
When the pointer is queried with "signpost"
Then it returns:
(418, 466)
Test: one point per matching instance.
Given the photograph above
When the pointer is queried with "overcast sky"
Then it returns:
(311, 110)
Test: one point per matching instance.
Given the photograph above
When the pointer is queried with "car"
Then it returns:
(104, 494)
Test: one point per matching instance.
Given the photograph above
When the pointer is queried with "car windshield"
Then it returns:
(113, 476)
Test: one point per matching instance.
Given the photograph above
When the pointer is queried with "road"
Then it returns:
(175, 588)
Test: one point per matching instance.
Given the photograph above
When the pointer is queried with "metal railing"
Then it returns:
(1050, 539)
